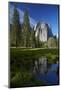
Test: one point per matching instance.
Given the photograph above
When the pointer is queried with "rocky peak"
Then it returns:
(43, 30)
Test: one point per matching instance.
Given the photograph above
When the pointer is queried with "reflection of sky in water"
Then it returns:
(54, 67)
(45, 72)
(49, 78)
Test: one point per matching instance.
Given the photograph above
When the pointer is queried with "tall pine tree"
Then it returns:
(16, 28)
(33, 40)
(26, 30)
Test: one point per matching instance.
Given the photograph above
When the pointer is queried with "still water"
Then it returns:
(45, 71)
(35, 71)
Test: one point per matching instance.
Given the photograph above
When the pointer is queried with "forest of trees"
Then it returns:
(23, 35)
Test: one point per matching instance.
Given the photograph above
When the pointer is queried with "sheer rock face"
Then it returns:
(43, 31)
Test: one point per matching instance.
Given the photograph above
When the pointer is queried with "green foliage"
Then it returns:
(52, 58)
(16, 53)
(45, 45)
(16, 29)
(37, 41)
(24, 79)
(52, 42)
(26, 30)
(33, 40)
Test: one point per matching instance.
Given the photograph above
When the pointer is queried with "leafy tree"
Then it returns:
(52, 42)
(56, 40)
(16, 28)
(45, 45)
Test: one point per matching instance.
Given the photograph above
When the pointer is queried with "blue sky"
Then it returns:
(39, 12)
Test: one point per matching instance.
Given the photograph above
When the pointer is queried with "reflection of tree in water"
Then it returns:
(43, 70)
(29, 71)
(41, 65)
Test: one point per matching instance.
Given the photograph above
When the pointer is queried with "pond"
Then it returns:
(34, 72)
(45, 71)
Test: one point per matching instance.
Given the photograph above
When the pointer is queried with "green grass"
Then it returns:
(28, 55)
(28, 52)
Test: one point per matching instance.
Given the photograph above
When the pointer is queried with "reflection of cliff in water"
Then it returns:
(41, 65)
(45, 71)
